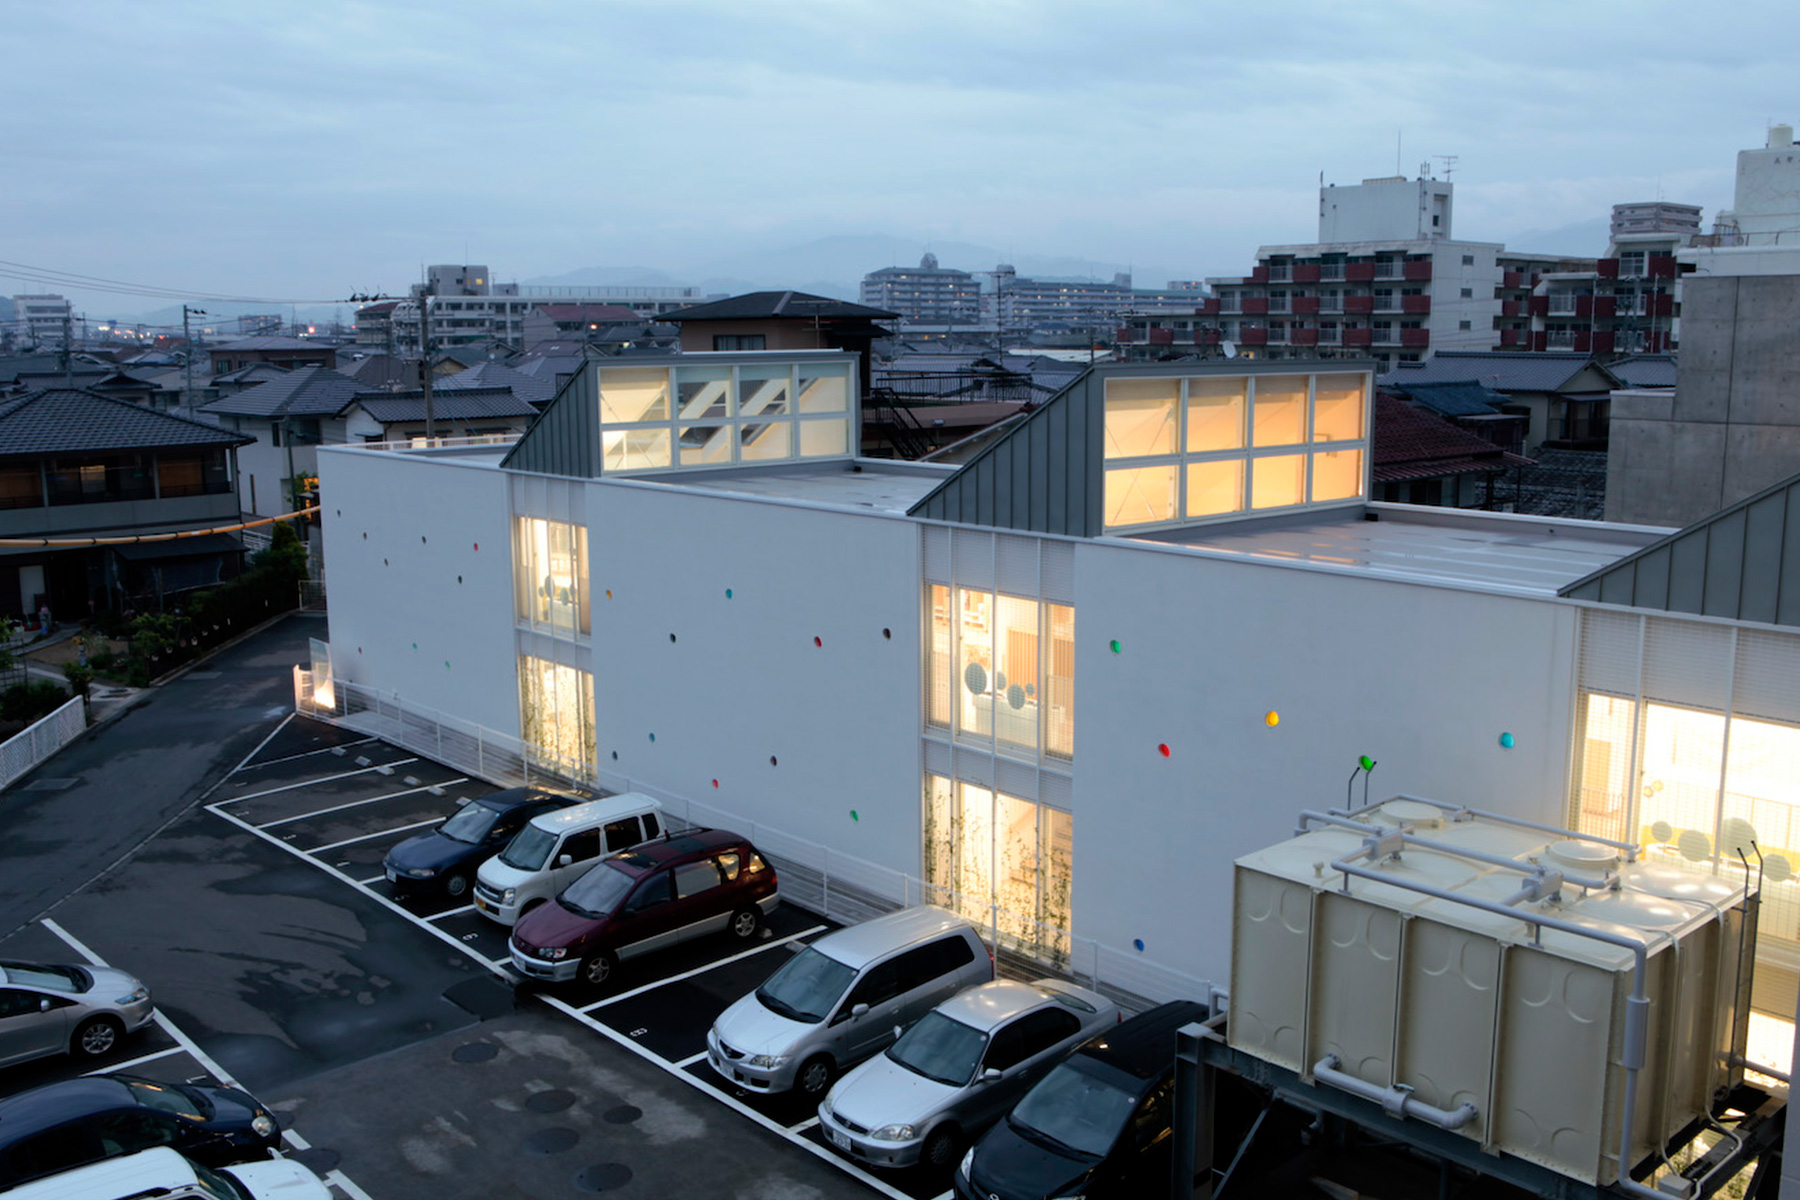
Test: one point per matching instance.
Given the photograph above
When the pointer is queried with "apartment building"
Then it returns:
(927, 294)
(40, 320)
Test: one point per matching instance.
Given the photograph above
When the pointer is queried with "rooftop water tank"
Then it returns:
(1467, 967)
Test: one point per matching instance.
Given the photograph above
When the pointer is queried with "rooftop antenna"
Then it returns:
(1449, 161)
(1397, 168)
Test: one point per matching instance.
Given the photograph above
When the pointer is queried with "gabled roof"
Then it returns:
(380, 369)
(1645, 370)
(766, 305)
(533, 389)
(1502, 370)
(28, 364)
(269, 342)
(598, 313)
(65, 420)
(1412, 444)
(1742, 563)
(1454, 399)
(447, 404)
(306, 392)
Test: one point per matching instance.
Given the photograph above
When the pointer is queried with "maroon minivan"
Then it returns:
(643, 899)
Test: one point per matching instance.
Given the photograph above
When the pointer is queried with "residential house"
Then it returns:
(285, 352)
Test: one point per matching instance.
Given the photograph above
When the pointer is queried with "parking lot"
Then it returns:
(339, 802)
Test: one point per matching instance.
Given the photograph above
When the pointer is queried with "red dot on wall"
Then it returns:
(1163, 749)
(715, 783)
(818, 641)
(478, 545)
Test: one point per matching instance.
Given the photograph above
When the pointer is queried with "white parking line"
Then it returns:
(690, 1060)
(266, 740)
(341, 1180)
(378, 833)
(355, 803)
(138, 1061)
(451, 912)
(288, 787)
(363, 883)
(286, 758)
(803, 1126)
(638, 991)
(731, 1102)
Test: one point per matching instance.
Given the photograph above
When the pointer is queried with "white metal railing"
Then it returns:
(1280, 304)
(1331, 337)
(33, 744)
(442, 443)
(1231, 304)
(1389, 270)
(1281, 274)
(1628, 306)
(1560, 340)
(1562, 306)
(814, 876)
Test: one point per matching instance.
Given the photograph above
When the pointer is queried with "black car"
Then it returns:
(1097, 1126)
(79, 1121)
(445, 860)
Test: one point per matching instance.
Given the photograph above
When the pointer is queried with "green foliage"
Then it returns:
(102, 659)
(152, 636)
(9, 629)
(286, 555)
(80, 677)
(30, 700)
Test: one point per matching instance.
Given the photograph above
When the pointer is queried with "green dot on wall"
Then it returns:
(446, 664)
(853, 815)
(1115, 646)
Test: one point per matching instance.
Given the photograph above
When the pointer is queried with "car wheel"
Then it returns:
(941, 1145)
(456, 886)
(745, 923)
(814, 1076)
(95, 1036)
(597, 970)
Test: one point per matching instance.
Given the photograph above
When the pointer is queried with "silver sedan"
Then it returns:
(958, 1071)
(48, 1009)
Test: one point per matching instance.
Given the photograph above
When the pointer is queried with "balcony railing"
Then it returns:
(1389, 270)
(1560, 339)
(1562, 306)
(1280, 272)
(1331, 337)
(1331, 272)
(1279, 304)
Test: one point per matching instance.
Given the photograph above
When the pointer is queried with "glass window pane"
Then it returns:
(1277, 481)
(1603, 785)
(1280, 418)
(1215, 487)
(1140, 417)
(1337, 475)
(763, 391)
(1059, 683)
(821, 438)
(938, 688)
(974, 680)
(824, 391)
(1215, 414)
(1337, 408)
(940, 848)
(1683, 754)
(764, 442)
(706, 445)
(1015, 686)
(532, 550)
(1139, 495)
(702, 393)
(556, 712)
(634, 449)
(632, 395)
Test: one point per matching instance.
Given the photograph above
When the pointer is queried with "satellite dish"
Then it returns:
(1228, 349)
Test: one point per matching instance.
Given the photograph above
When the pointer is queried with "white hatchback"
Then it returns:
(557, 848)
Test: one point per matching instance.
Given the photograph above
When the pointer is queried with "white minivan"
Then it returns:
(164, 1173)
(557, 848)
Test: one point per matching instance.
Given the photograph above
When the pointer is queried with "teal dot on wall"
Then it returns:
(853, 815)
(653, 737)
(1115, 646)
(1506, 741)
(415, 646)
(446, 664)
(728, 593)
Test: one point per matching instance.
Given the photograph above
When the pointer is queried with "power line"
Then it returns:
(25, 272)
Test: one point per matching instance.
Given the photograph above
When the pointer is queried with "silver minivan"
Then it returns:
(557, 848)
(839, 1000)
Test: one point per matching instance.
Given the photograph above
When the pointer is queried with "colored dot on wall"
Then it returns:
(446, 664)
(477, 545)
(771, 760)
(1115, 645)
(728, 593)
(1506, 741)
(653, 737)
(671, 638)
(609, 593)
(819, 642)
(887, 633)
(1272, 718)
(615, 756)
(854, 816)
(415, 645)
(1163, 749)
(715, 783)
(1137, 944)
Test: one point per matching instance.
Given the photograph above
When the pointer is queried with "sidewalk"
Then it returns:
(44, 659)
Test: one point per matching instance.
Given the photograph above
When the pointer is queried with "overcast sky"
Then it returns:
(308, 151)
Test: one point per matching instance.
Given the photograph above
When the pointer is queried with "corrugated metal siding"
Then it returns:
(1741, 564)
(565, 437)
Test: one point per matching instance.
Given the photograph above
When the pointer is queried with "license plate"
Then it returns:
(392, 876)
(840, 1140)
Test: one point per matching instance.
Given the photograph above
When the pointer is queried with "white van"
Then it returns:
(557, 848)
(167, 1175)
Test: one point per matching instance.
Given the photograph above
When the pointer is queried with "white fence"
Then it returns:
(29, 747)
(813, 876)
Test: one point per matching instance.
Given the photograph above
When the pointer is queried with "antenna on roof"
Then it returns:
(1228, 349)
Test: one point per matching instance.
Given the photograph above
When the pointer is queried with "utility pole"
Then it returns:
(68, 358)
(187, 358)
(425, 360)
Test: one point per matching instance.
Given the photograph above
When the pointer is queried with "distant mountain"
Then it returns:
(1583, 239)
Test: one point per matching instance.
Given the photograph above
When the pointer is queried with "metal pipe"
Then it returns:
(1630, 848)
(1324, 818)
(1397, 1101)
(1738, 1060)
(1610, 881)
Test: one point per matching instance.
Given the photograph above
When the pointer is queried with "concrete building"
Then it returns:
(41, 320)
(1765, 208)
(926, 294)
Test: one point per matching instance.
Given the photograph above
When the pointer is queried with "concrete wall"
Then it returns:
(419, 555)
(1732, 427)
(1384, 209)
(1422, 679)
(1449, 308)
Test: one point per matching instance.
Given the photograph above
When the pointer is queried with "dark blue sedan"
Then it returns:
(444, 861)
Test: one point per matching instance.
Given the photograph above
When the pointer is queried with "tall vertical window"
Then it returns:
(550, 577)
(556, 713)
(995, 857)
(1012, 673)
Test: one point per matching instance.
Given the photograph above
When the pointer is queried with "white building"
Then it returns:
(1765, 208)
(1063, 686)
(41, 320)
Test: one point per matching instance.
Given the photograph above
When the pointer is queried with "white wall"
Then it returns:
(1422, 679)
(1377, 210)
(744, 681)
(390, 591)
(1449, 276)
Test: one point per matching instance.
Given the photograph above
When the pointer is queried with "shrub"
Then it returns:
(30, 700)
(80, 677)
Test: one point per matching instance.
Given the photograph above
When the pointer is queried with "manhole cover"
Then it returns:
(474, 1052)
(549, 1101)
(624, 1114)
(317, 1159)
(546, 1142)
(48, 785)
(602, 1177)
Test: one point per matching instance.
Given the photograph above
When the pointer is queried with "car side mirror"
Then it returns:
(857, 1010)
(44, 1004)
(563, 860)
(897, 1032)
(990, 1074)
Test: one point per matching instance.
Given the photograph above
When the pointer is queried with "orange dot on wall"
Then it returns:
(1163, 749)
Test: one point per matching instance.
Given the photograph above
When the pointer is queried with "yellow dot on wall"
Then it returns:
(1272, 719)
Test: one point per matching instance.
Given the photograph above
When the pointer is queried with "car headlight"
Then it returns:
(766, 1061)
(421, 872)
(138, 997)
(554, 953)
(265, 1125)
(894, 1133)
(509, 895)
(962, 1168)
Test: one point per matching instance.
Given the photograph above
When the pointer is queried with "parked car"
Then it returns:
(49, 1009)
(164, 1174)
(841, 999)
(79, 1121)
(1098, 1125)
(444, 861)
(958, 1070)
(658, 895)
(557, 848)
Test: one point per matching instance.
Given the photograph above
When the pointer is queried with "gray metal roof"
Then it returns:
(1645, 370)
(65, 420)
(306, 392)
(1502, 370)
(447, 404)
(533, 389)
(764, 305)
(1453, 399)
(1742, 562)
(565, 437)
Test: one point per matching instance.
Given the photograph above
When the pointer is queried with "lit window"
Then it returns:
(1279, 414)
(1140, 495)
(1277, 481)
(1215, 413)
(1140, 417)
(1338, 403)
(1215, 487)
(1337, 475)
(550, 576)
(556, 713)
(631, 396)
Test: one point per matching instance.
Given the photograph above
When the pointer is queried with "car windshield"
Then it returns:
(216, 1186)
(471, 825)
(598, 893)
(941, 1049)
(530, 850)
(807, 989)
(169, 1098)
(62, 979)
(1073, 1111)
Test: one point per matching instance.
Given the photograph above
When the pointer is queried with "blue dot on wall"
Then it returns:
(1137, 944)
(1506, 741)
